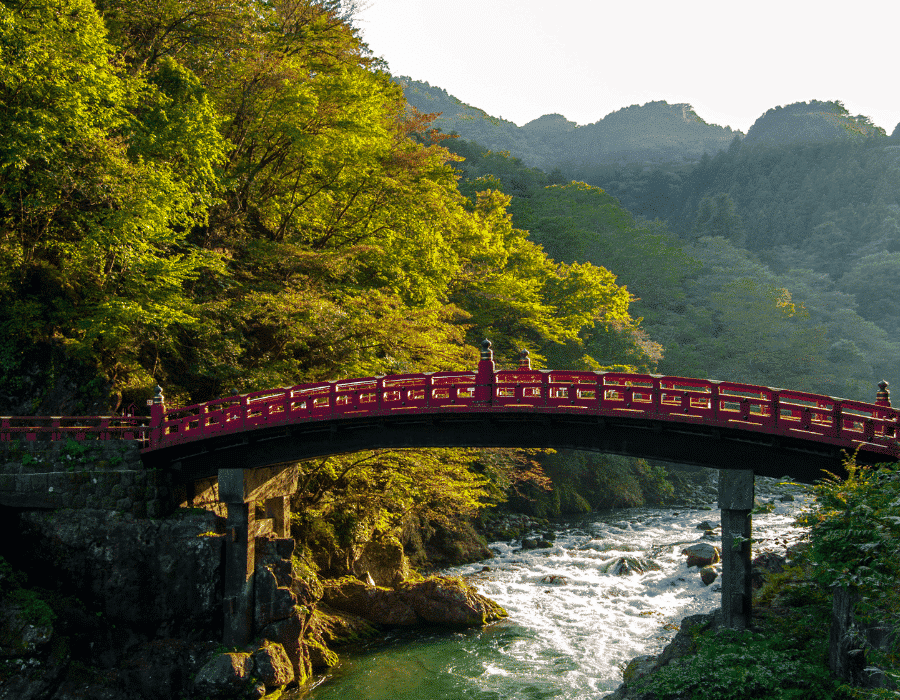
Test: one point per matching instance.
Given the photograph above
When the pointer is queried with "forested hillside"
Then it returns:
(216, 196)
(710, 307)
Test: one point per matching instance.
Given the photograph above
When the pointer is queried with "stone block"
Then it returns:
(31, 483)
(284, 547)
(7, 482)
(272, 602)
(61, 481)
(124, 505)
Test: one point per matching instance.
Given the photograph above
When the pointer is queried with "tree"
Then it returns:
(103, 176)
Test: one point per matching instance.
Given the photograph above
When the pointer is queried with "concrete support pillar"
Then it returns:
(736, 491)
(238, 579)
(279, 510)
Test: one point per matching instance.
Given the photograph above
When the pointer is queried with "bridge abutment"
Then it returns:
(736, 492)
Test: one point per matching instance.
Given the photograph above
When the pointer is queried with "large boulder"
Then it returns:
(228, 675)
(701, 554)
(272, 665)
(440, 600)
(385, 561)
(446, 600)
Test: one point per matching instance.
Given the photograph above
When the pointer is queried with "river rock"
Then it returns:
(289, 634)
(446, 600)
(787, 498)
(624, 566)
(708, 574)
(272, 665)
(225, 676)
(701, 554)
(705, 525)
(536, 543)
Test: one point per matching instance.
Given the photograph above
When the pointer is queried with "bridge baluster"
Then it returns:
(715, 402)
(485, 376)
(157, 414)
(838, 418)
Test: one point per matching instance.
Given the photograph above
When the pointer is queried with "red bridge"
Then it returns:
(242, 445)
(719, 424)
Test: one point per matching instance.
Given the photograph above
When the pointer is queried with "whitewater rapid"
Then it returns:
(572, 626)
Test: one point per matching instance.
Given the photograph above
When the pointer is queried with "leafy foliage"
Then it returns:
(344, 501)
(732, 665)
(855, 533)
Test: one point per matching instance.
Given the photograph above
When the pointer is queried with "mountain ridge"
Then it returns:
(652, 134)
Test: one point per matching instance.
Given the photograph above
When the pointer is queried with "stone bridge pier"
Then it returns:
(240, 490)
(736, 492)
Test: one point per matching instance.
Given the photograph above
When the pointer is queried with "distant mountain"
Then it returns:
(805, 122)
(656, 132)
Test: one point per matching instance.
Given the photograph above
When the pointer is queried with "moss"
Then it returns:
(337, 628)
(35, 610)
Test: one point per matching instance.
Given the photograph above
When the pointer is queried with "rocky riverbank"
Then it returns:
(790, 621)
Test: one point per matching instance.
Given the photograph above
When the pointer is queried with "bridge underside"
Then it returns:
(696, 444)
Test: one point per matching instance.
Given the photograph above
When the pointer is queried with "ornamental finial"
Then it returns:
(883, 395)
(158, 398)
(486, 352)
(524, 359)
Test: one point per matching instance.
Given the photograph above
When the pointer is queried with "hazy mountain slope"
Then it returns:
(805, 122)
(656, 132)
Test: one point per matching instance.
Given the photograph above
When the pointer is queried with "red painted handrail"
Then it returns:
(845, 423)
(849, 424)
(34, 428)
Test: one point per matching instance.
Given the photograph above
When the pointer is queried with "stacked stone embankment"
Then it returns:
(96, 474)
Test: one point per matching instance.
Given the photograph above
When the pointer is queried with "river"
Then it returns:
(571, 627)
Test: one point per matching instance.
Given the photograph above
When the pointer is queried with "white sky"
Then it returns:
(520, 59)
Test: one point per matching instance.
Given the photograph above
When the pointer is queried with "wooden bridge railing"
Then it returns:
(679, 399)
(671, 399)
(36, 428)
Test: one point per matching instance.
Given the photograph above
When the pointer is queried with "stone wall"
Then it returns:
(93, 474)
(148, 573)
